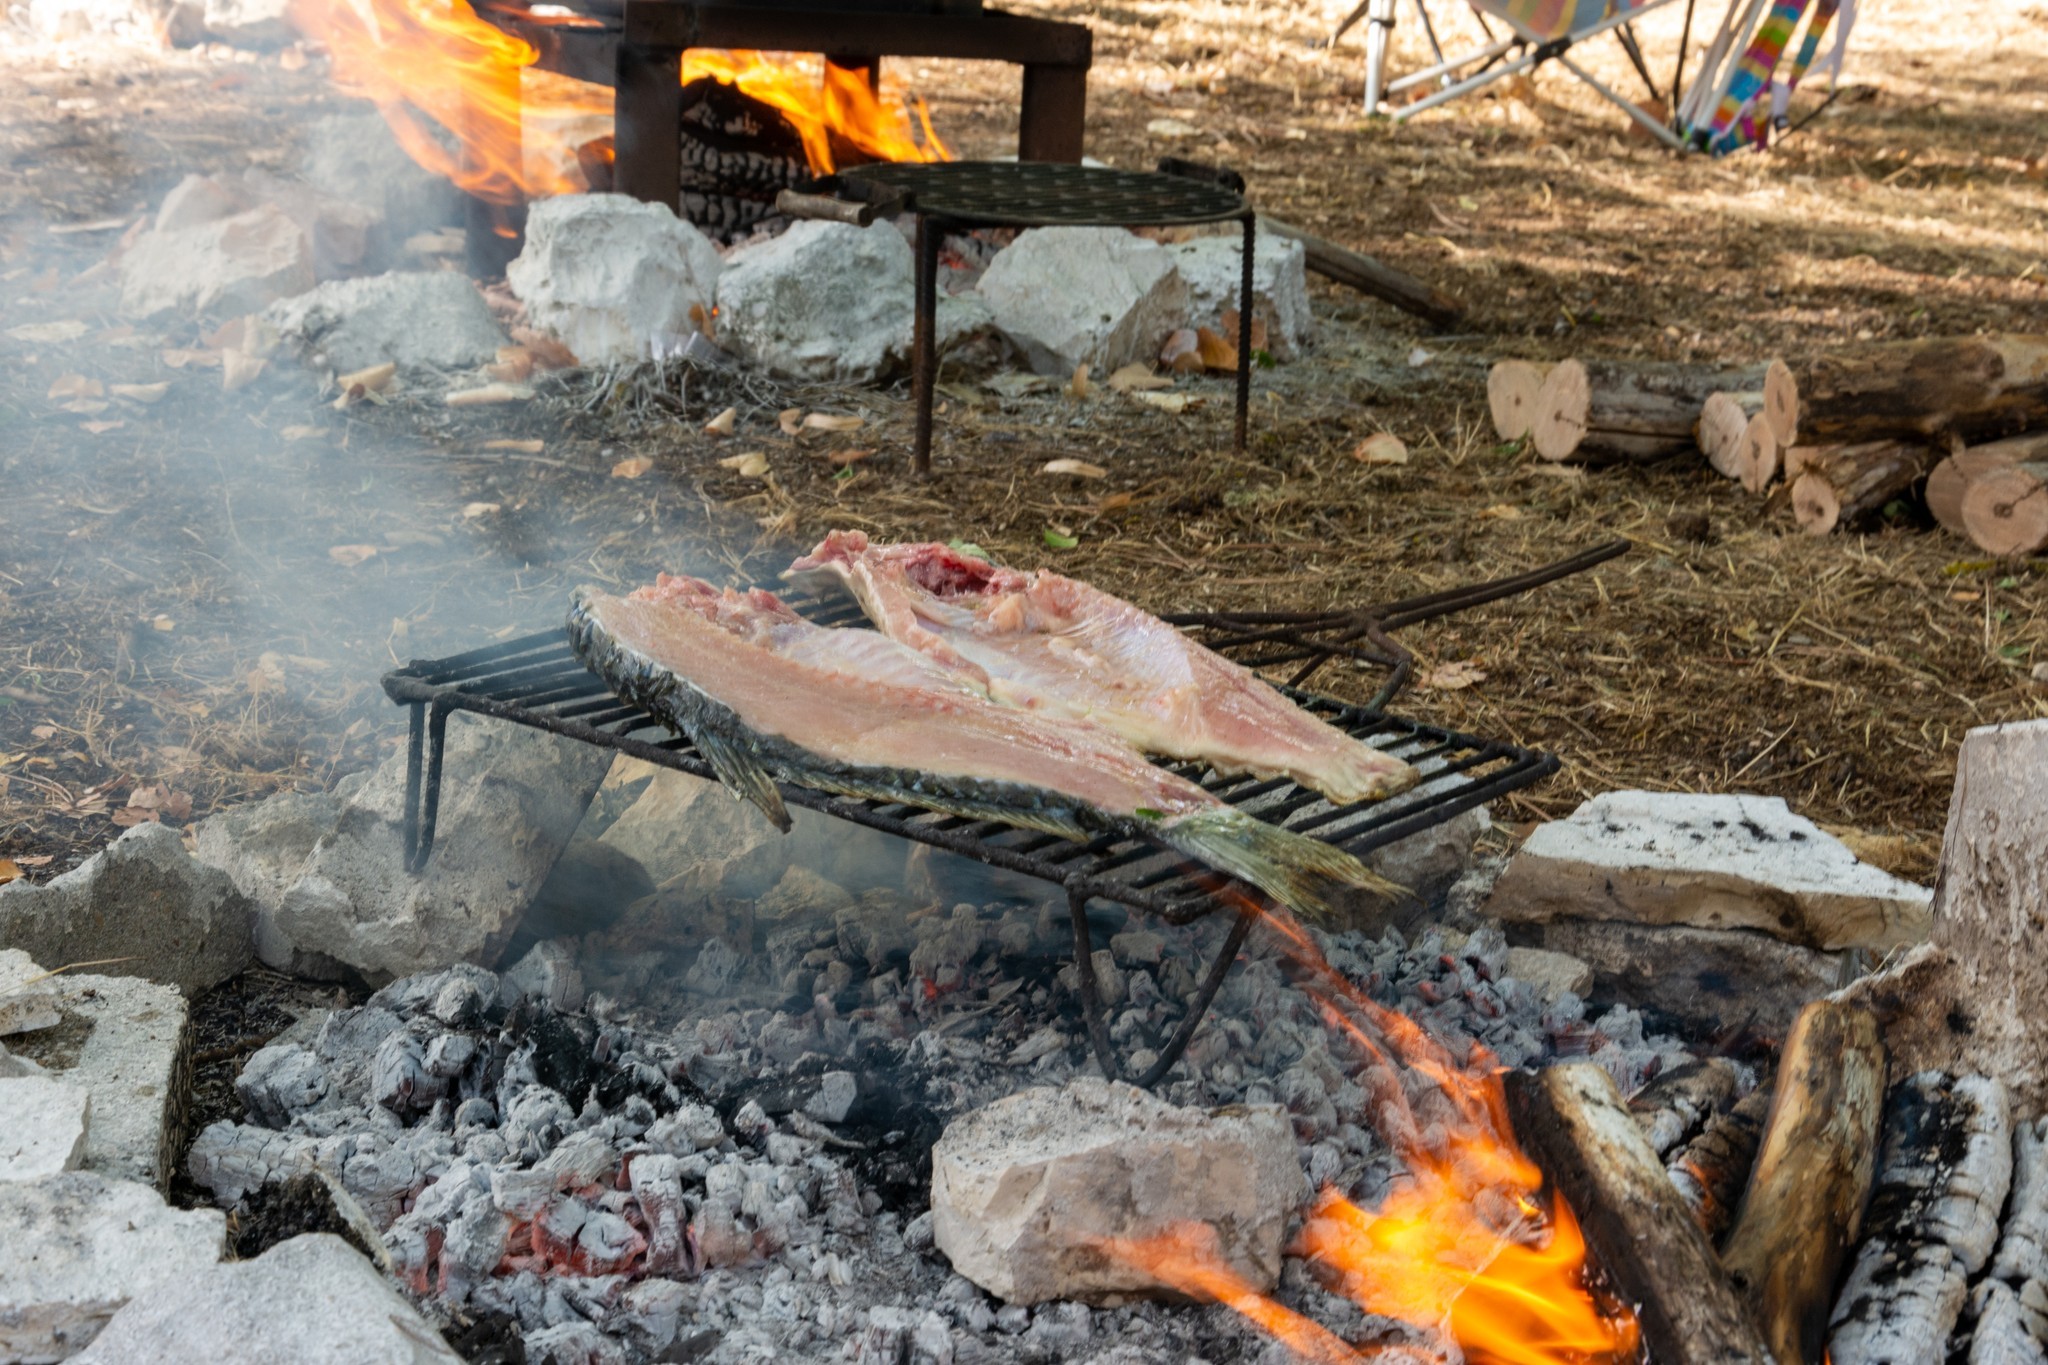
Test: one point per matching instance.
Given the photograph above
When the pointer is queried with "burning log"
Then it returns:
(1711, 1170)
(1572, 1120)
(1972, 386)
(738, 152)
(1676, 1104)
(1951, 479)
(1933, 1220)
(1839, 484)
(1804, 1205)
(1596, 412)
(1511, 389)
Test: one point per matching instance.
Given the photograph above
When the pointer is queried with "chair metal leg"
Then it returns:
(1244, 332)
(1379, 32)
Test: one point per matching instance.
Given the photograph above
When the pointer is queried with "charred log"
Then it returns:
(737, 154)
(2008, 1311)
(1933, 1220)
(1710, 1171)
(1678, 1103)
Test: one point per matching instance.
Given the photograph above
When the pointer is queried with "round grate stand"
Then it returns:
(1026, 194)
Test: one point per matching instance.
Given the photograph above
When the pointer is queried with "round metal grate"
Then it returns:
(1048, 194)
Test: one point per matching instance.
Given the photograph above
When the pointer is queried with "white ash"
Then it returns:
(753, 1181)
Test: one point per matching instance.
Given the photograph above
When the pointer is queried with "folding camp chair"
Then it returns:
(1747, 74)
(1543, 30)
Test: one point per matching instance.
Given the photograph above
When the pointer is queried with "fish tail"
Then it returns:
(1294, 869)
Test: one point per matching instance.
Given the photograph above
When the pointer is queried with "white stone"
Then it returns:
(311, 1300)
(834, 1098)
(1096, 296)
(1550, 974)
(263, 847)
(28, 1011)
(1712, 862)
(510, 799)
(146, 22)
(129, 1059)
(42, 1127)
(142, 898)
(1214, 270)
(355, 157)
(1023, 1189)
(78, 1247)
(230, 265)
(251, 23)
(826, 301)
(604, 273)
(410, 318)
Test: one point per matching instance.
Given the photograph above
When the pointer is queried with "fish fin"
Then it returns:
(1292, 868)
(743, 776)
(1047, 822)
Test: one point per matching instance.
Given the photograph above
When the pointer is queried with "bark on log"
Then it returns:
(1975, 997)
(1361, 272)
(1710, 1171)
(1933, 1220)
(2005, 511)
(1678, 1103)
(1838, 486)
(2007, 1320)
(1511, 388)
(1804, 1205)
(1573, 1123)
(1975, 387)
(1600, 412)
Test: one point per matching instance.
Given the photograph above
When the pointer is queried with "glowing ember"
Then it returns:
(1461, 1249)
(456, 91)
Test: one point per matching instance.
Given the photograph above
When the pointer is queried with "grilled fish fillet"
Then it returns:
(769, 696)
(1056, 646)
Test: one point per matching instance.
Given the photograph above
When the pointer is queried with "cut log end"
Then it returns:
(1562, 405)
(2005, 511)
(1781, 402)
(1757, 459)
(1511, 389)
(1815, 505)
(1723, 424)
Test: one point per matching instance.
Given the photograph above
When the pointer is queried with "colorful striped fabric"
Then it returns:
(1556, 18)
(1737, 122)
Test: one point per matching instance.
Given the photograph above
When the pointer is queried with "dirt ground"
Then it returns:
(174, 619)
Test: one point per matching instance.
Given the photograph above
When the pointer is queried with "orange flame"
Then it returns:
(1462, 1247)
(457, 93)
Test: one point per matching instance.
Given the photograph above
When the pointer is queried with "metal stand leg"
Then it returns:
(1053, 115)
(1379, 32)
(430, 805)
(648, 162)
(1091, 1001)
(1244, 332)
(415, 745)
(924, 364)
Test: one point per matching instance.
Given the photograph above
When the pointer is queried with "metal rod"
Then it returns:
(1084, 968)
(1198, 1008)
(430, 812)
(924, 343)
(1244, 330)
(416, 735)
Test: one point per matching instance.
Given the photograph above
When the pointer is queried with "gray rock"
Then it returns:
(12, 1066)
(834, 1098)
(694, 839)
(124, 1040)
(1706, 977)
(1550, 974)
(1023, 1189)
(1214, 270)
(79, 1247)
(355, 157)
(1712, 862)
(825, 301)
(43, 1131)
(312, 1300)
(1096, 296)
(142, 898)
(1428, 861)
(251, 23)
(281, 1081)
(263, 847)
(604, 274)
(434, 319)
(28, 1010)
(549, 975)
(510, 799)
(230, 265)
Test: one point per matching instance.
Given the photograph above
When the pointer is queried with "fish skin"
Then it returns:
(769, 696)
(1047, 643)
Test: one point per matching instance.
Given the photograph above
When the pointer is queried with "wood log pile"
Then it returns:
(1960, 423)
(1889, 1189)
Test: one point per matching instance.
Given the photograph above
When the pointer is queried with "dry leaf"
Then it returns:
(86, 407)
(1172, 129)
(632, 468)
(724, 423)
(301, 433)
(791, 420)
(144, 394)
(102, 428)
(843, 458)
(489, 393)
(472, 510)
(1216, 353)
(1453, 677)
(1115, 502)
(548, 353)
(514, 366)
(1230, 320)
(1137, 375)
(74, 386)
(351, 395)
(36, 860)
(239, 371)
(228, 336)
(1382, 447)
(750, 465)
(825, 421)
(374, 379)
(163, 623)
(1080, 468)
(1078, 386)
(178, 358)
(522, 447)
(1185, 342)
(348, 556)
(37, 333)
(1013, 384)
(1169, 402)
(1501, 511)
(10, 871)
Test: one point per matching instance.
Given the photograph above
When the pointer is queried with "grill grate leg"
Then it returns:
(1244, 334)
(1091, 1000)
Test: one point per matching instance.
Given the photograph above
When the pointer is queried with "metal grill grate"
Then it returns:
(537, 681)
(1044, 194)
